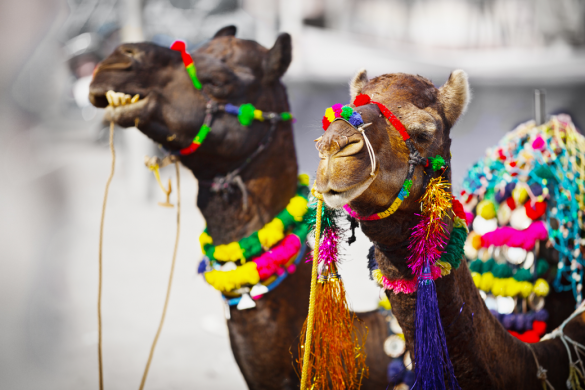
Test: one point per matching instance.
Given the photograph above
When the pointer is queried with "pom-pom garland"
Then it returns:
(538, 169)
(284, 235)
(266, 237)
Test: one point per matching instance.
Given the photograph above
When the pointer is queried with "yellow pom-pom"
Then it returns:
(486, 209)
(378, 277)
(445, 267)
(487, 281)
(385, 303)
(330, 114)
(225, 281)
(541, 287)
(297, 207)
(258, 115)
(271, 233)
(460, 223)
(205, 239)
(520, 195)
(499, 287)
(513, 288)
(304, 179)
(525, 289)
(476, 278)
(229, 252)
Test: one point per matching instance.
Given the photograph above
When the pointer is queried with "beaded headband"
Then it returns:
(349, 115)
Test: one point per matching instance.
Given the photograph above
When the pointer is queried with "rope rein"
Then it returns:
(164, 313)
(313, 295)
(100, 253)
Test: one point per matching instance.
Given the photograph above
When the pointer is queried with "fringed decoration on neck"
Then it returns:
(427, 241)
(337, 358)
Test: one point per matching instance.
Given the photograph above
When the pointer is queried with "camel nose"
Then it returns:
(339, 143)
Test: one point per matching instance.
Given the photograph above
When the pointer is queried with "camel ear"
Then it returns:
(357, 84)
(227, 31)
(278, 58)
(454, 95)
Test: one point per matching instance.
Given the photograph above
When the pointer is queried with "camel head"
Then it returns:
(155, 94)
(345, 176)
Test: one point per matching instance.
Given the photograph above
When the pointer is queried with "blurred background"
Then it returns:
(55, 160)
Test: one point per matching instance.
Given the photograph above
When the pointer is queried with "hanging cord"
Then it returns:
(574, 372)
(100, 251)
(311, 317)
(164, 313)
(540, 371)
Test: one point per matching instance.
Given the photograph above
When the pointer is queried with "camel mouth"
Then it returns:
(123, 106)
(337, 199)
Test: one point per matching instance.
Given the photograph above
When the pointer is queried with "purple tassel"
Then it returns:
(430, 347)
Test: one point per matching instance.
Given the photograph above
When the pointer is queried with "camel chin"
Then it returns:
(125, 114)
(336, 199)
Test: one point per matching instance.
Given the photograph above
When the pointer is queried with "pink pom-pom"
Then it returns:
(337, 109)
(292, 268)
(272, 261)
(509, 236)
(538, 143)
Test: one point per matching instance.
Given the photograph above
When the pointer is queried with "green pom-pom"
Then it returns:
(329, 217)
(476, 266)
(286, 116)
(541, 267)
(407, 185)
(346, 112)
(488, 266)
(437, 162)
(502, 271)
(246, 114)
(523, 275)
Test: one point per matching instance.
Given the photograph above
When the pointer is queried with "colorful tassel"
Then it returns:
(332, 342)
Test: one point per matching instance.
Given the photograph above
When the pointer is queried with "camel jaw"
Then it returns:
(336, 199)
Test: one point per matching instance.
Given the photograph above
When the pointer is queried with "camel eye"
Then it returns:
(421, 138)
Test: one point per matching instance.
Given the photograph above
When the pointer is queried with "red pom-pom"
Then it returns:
(530, 336)
(179, 46)
(361, 99)
(535, 212)
(458, 209)
(511, 204)
(326, 123)
(539, 327)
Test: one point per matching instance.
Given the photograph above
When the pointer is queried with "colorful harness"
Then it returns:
(354, 119)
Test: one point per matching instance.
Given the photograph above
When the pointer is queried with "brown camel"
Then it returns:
(170, 111)
(483, 354)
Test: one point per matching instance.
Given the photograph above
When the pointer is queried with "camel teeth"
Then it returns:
(109, 98)
(135, 98)
(116, 99)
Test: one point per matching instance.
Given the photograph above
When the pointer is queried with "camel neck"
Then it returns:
(270, 181)
(474, 336)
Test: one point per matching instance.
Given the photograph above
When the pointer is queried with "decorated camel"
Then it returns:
(224, 113)
(385, 158)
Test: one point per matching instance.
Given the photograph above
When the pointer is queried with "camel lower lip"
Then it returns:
(338, 199)
(133, 109)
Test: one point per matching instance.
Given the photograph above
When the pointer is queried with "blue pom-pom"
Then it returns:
(536, 189)
(520, 323)
(395, 371)
(409, 377)
(202, 266)
(528, 317)
(356, 119)
(541, 315)
(508, 320)
(231, 109)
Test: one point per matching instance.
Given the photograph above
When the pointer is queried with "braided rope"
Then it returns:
(100, 253)
(312, 297)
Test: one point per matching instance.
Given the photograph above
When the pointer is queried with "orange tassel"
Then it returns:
(337, 359)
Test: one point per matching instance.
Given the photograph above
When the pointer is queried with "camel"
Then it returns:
(483, 353)
(169, 110)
